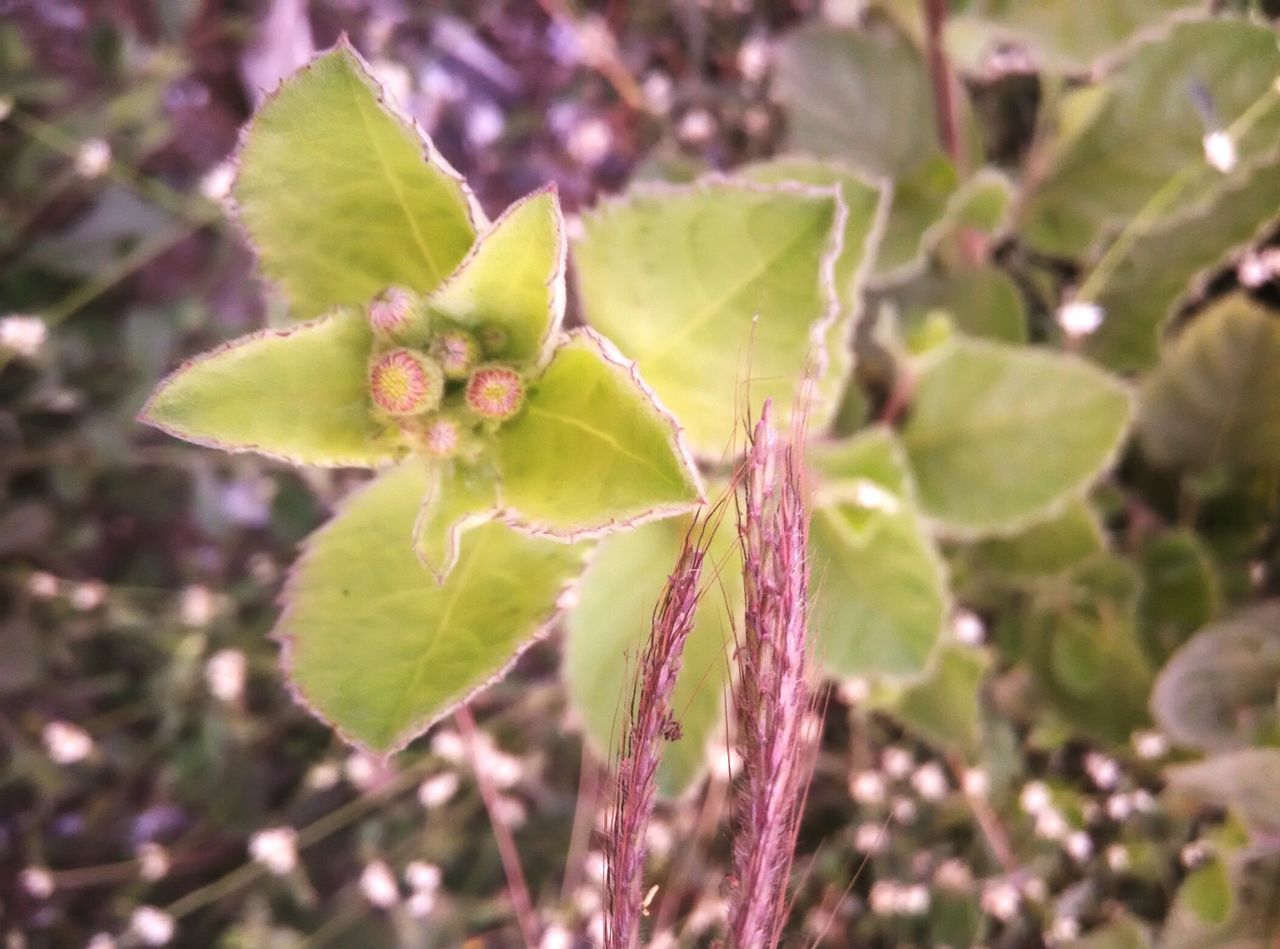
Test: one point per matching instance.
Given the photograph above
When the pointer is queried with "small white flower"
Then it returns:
(152, 926)
(323, 776)
(657, 88)
(438, 789)
(1194, 854)
(1143, 801)
(1001, 900)
(1220, 151)
(872, 497)
(420, 904)
(36, 882)
(884, 897)
(378, 885)
(1119, 807)
(93, 158)
(361, 770)
(659, 839)
(153, 861)
(217, 181)
(1035, 797)
(1118, 858)
(725, 764)
(1035, 889)
(953, 874)
(930, 781)
(696, 127)
(975, 782)
(1253, 271)
(197, 606)
(556, 936)
(101, 941)
(485, 124)
(1079, 319)
(853, 692)
(1079, 846)
(66, 743)
(867, 787)
(1051, 825)
(510, 811)
(968, 629)
(1150, 745)
(903, 810)
(1103, 771)
(897, 762)
(275, 848)
(43, 586)
(589, 142)
(88, 596)
(504, 771)
(753, 58)
(23, 335)
(1065, 929)
(224, 675)
(448, 745)
(914, 900)
(871, 838)
(422, 877)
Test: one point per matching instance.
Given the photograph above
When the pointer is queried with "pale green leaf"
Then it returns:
(1247, 781)
(1206, 892)
(880, 587)
(919, 203)
(1001, 435)
(944, 707)
(608, 629)
(1063, 35)
(1167, 260)
(376, 648)
(459, 496)
(342, 196)
(1046, 549)
(1124, 141)
(1216, 397)
(982, 301)
(513, 278)
(298, 394)
(715, 290)
(1239, 912)
(858, 95)
(1123, 933)
(591, 451)
(1219, 690)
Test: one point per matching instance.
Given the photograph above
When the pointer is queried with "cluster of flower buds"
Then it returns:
(438, 383)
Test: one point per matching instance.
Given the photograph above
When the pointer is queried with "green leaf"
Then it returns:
(1247, 781)
(982, 301)
(1123, 933)
(1002, 435)
(1123, 141)
(880, 587)
(1063, 35)
(1206, 892)
(861, 96)
(1219, 690)
(713, 289)
(918, 205)
(1168, 260)
(376, 648)
(945, 706)
(342, 196)
(298, 394)
(591, 450)
(1216, 397)
(513, 278)
(459, 496)
(1239, 913)
(1179, 592)
(607, 631)
(1082, 646)
(1046, 549)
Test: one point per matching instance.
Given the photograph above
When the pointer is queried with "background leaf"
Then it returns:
(1000, 435)
(1216, 397)
(377, 648)
(341, 196)
(1246, 780)
(608, 629)
(1046, 549)
(1179, 592)
(944, 707)
(712, 287)
(298, 394)
(880, 587)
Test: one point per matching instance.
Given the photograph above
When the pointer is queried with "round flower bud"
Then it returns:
(493, 339)
(394, 315)
(495, 392)
(402, 382)
(441, 436)
(457, 352)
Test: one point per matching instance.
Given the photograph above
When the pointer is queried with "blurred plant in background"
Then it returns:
(1035, 625)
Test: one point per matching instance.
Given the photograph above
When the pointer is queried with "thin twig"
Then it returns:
(517, 887)
(994, 832)
(584, 818)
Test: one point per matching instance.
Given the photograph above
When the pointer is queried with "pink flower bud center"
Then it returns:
(402, 383)
(495, 392)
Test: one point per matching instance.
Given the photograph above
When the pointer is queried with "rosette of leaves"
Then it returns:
(438, 356)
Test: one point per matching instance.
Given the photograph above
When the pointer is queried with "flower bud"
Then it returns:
(395, 315)
(402, 382)
(495, 392)
(441, 436)
(457, 352)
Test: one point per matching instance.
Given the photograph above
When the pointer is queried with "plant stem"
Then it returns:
(517, 887)
(584, 816)
(944, 103)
